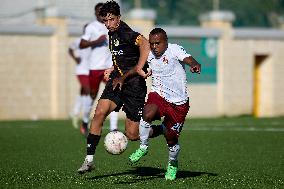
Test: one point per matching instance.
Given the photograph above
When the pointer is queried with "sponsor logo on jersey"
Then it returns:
(116, 42)
(114, 52)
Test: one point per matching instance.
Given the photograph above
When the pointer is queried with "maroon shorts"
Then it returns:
(96, 77)
(174, 115)
(84, 81)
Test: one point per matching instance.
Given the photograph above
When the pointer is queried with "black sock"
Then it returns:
(157, 130)
(92, 142)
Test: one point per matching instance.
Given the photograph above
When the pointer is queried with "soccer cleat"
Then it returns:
(137, 155)
(86, 167)
(171, 171)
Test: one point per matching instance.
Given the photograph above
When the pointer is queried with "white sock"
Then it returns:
(144, 130)
(173, 152)
(113, 117)
(90, 158)
(77, 106)
(87, 107)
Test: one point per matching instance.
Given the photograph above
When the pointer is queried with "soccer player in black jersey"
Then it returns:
(128, 48)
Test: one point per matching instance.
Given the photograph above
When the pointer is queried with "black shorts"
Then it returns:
(131, 97)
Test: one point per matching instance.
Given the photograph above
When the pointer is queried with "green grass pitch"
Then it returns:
(237, 153)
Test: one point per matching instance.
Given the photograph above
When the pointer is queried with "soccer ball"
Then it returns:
(115, 142)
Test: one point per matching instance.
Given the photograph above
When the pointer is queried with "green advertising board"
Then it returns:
(205, 51)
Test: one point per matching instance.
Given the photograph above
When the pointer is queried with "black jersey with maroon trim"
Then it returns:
(124, 48)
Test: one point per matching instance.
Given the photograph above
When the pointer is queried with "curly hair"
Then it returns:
(159, 31)
(110, 7)
(98, 5)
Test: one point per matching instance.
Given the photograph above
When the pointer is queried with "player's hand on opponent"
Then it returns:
(149, 72)
(117, 83)
(143, 74)
(195, 68)
(107, 73)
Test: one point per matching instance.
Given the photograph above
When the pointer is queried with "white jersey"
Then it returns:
(100, 57)
(83, 54)
(168, 74)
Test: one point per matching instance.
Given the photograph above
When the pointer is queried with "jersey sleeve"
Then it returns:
(133, 37)
(88, 33)
(92, 32)
(180, 52)
(75, 44)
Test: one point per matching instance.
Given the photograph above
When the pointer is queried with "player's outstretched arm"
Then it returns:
(195, 67)
(71, 53)
(93, 44)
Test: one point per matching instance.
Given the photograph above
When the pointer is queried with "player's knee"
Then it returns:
(100, 113)
(150, 112)
(132, 136)
(148, 116)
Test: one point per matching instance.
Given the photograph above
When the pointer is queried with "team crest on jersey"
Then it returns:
(116, 42)
(165, 60)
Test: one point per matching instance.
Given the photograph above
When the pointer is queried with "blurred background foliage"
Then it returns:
(255, 13)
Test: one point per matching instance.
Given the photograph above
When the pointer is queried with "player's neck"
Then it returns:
(162, 53)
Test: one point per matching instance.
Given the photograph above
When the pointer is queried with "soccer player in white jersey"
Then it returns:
(168, 97)
(100, 60)
(80, 56)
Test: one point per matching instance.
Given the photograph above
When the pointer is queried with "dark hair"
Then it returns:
(159, 31)
(98, 6)
(110, 7)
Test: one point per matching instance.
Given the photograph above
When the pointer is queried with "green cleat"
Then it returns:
(171, 171)
(137, 155)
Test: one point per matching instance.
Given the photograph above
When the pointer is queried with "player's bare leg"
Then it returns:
(103, 109)
(131, 129)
